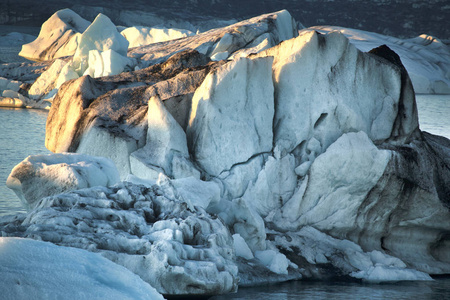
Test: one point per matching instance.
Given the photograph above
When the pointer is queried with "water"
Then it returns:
(318, 290)
(434, 114)
(22, 133)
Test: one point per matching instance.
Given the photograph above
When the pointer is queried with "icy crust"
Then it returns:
(426, 58)
(176, 249)
(46, 271)
(59, 37)
(40, 176)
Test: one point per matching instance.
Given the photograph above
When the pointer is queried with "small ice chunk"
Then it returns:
(241, 247)
(274, 261)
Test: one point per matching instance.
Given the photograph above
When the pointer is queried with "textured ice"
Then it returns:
(426, 58)
(141, 36)
(46, 271)
(59, 37)
(39, 176)
(148, 230)
(49, 79)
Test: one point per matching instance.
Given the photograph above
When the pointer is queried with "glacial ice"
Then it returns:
(40, 176)
(426, 58)
(142, 36)
(59, 37)
(46, 271)
(281, 160)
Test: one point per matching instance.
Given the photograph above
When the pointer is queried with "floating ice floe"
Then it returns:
(46, 271)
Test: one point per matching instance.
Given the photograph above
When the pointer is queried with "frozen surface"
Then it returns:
(47, 271)
(59, 37)
(39, 176)
(426, 58)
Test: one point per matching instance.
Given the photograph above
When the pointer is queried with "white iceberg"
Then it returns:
(146, 229)
(59, 37)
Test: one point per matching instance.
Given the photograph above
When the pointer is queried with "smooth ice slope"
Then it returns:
(45, 175)
(426, 58)
(141, 36)
(44, 271)
(231, 115)
(59, 37)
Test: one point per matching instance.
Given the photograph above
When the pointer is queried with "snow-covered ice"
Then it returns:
(44, 271)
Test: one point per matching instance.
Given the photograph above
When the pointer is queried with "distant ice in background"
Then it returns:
(11, 40)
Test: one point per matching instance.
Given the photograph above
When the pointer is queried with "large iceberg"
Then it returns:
(252, 154)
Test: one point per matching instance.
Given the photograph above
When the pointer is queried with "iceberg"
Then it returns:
(59, 37)
(293, 156)
(100, 36)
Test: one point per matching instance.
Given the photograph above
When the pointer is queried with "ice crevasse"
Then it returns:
(302, 158)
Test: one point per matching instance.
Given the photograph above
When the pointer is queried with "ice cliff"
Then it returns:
(292, 156)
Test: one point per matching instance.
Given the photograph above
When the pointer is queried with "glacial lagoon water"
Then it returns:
(22, 133)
